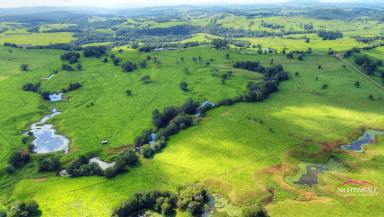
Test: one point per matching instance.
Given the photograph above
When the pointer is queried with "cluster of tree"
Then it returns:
(329, 35)
(240, 33)
(308, 26)
(169, 122)
(258, 91)
(255, 212)
(71, 57)
(367, 40)
(32, 87)
(95, 51)
(82, 167)
(49, 164)
(173, 30)
(272, 25)
(58, 46)
(275, 72)
(161, 202)
(24, 209)
(240, 43)
(72, 87)
(67, 67)
(163, 119)
(191, 198)
(219, 43)
(369, 65)
(127, 158)
(17, 160)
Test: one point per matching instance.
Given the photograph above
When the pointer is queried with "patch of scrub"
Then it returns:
(369, 137)
(103, 165)
(46, 139)
(55, 97)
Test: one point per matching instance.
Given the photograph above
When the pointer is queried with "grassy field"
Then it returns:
(291, 23)
(236, 151)
(297, 42)
(22, 38)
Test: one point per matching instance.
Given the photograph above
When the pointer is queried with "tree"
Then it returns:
(325, 86)
(183, 86)
(67, 67)
(146, 151)
(109, 173)
(357, 84)
(128, 92)
(24, 67)
(79, 67)
(129, 157)
(129, 66)
(10, 169)
(146, 79)
(254, 212)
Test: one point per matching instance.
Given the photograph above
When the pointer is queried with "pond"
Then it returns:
(55, 97)
(369, 137)
(46, 139)
(310, 177)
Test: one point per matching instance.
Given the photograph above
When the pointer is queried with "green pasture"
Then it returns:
(230, 150)
(27, 38)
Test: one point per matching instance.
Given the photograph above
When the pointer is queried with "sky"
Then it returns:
(126, 3)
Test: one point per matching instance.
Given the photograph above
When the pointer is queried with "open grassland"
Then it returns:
(234, 150)
(350, 28)
(54, 26)
(23, 38)
(201, 37)
(297, 42)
